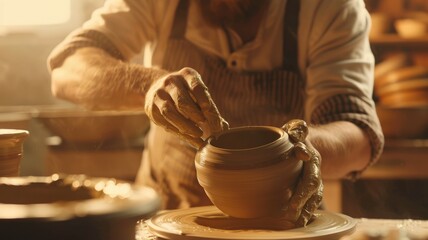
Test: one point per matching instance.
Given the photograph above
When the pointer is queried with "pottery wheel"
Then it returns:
(210, 223)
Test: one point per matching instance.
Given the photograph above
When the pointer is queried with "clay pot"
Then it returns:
(11, 150)
(248, 172)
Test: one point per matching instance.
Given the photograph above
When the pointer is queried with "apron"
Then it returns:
(243, 98)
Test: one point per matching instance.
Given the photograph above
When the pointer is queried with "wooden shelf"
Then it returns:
(393, 41)
(401, 159)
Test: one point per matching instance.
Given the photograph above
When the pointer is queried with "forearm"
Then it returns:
(91, 77)
(343, 146)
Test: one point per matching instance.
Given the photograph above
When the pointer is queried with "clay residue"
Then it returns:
(223, 222)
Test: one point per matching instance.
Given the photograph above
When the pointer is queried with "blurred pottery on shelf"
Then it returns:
(411, 28)
(404, 122)
(11, 151)
(406, 99)
(409, 93)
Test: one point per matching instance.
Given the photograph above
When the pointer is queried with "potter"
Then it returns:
(251, 172)
(279, 60)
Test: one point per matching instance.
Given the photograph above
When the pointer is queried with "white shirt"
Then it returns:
(334, 51)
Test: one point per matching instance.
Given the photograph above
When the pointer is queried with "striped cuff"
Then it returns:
(81, 39)
(353, 109)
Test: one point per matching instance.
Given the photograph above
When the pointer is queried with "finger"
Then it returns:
(311, 206)
(158, 119)
(185, 104)
(311, 180)
(200, 92)
(161, 121)
(197, 143)
(168, 110)
(297, 130)
(209, 109)
(301, 152)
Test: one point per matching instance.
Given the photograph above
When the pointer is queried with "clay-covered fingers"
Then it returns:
(297, 130)
(309, 184)
(168, 103)
(203, 99)
(159, 118)
(179, 90)
(168, 109)
(310, 207)
(180, 102)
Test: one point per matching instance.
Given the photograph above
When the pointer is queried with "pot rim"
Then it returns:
(213, 156)
(8, 133)
(281, 132)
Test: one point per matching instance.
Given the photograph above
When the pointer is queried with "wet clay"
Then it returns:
(223, 222)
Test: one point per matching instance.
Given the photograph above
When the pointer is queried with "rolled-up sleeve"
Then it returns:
(120, 27)
(339, 82)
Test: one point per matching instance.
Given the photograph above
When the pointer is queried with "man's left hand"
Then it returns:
(307, 195)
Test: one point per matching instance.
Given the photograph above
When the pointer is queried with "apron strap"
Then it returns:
(290, 46)
(180, 20)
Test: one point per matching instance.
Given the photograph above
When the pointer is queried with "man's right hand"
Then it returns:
(180, 102)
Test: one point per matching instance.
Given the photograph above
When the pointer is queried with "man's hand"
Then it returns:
(180, 102)
(307, 195)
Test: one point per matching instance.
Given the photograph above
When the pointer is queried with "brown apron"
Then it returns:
(243, 98)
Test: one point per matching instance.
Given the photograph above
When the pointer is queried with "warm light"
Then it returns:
(34, 12)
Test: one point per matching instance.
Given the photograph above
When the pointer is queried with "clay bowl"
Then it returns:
(403, 122)
(247, 172)
(72, 207)
(82, 126)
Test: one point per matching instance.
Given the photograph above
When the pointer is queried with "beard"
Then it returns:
(229, 12)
